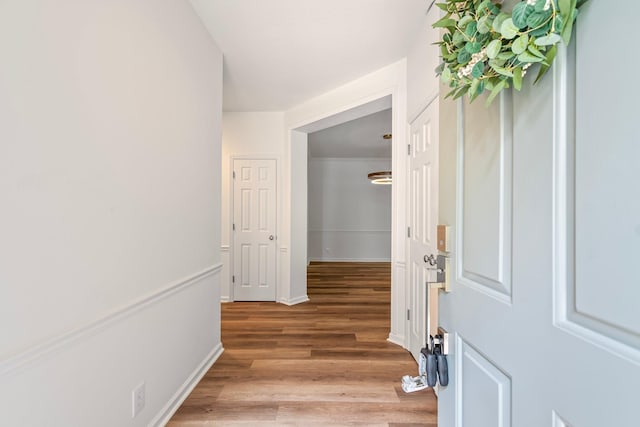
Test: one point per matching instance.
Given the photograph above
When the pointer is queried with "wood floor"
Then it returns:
(325, 362)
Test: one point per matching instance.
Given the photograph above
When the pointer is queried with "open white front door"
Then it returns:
(254, 230)
(545, 206)
(423, 220)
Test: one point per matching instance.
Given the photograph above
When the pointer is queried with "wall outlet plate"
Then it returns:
(138, 396)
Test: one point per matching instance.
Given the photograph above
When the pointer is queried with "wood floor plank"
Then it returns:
(326, 362)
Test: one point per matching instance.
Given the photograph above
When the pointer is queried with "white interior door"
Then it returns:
(543, 311)
(254, 229)
(423, 218)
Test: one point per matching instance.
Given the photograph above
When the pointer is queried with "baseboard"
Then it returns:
(183, 392)
(62, 341)
(295, 301)
(396, 339)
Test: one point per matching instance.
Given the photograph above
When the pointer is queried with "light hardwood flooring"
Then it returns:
(325, 362)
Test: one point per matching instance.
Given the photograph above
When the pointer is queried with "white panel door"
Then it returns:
(423, 217)
(254, 230)
(545, 207)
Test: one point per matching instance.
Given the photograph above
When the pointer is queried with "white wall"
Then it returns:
(109, 176)
(423, 58)
(349, 218)
(246, 135)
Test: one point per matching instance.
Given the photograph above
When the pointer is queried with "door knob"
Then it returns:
(430, 259)
(271, 237)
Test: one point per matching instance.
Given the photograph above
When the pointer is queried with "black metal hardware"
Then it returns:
(437, 367)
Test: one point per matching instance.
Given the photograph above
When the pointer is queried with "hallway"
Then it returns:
(320, 363)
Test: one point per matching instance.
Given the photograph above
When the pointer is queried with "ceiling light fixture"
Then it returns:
(381, 177)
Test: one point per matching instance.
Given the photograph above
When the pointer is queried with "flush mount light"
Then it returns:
(382, 177)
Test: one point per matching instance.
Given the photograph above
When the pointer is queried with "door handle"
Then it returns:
(430, 259)
(271, 237)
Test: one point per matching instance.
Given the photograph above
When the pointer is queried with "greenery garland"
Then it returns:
(486, 48)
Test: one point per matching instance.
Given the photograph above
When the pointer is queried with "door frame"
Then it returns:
(330, 107)
(232, 159)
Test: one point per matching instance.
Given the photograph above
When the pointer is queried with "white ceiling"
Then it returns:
(360, 138)
(280, 53)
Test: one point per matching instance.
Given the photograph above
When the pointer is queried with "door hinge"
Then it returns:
(408, 314)
(234, 174)
(233, 279)
(233, 227)
(408, 231)
(408, 149)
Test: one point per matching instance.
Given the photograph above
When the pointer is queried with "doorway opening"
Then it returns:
(349, 218)
(296, 208)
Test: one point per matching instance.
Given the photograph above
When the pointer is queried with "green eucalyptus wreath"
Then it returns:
(484, 47)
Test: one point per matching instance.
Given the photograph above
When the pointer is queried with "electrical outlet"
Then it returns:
(138, 396)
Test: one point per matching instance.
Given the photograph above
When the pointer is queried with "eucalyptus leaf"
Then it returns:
(565, 7)
(480, 87)
(473, 47)
(540, 4)
(484, 8)
(483, 38)
(445, 23)
(478, 70)
(535, 51)
(495, 91)
(451, 93)
(548, 40)
(498, 62)
(471, 29)
(461, 92)
(443, 6)
(536, 19)
(500, 70)
(508, 29)
(498, 20)
(493, 48)
(505, 56)
(446, 75)
(568, 28)
(463, 57)
(488, 84)
(458, 38)
(527, 57)
(517, 78)
(551, 54)
(520, 13)
(559, 24)
(541, 31)
(466, 19)
(443, 50)
(473, 89)
(484, 25)
(520, 44)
